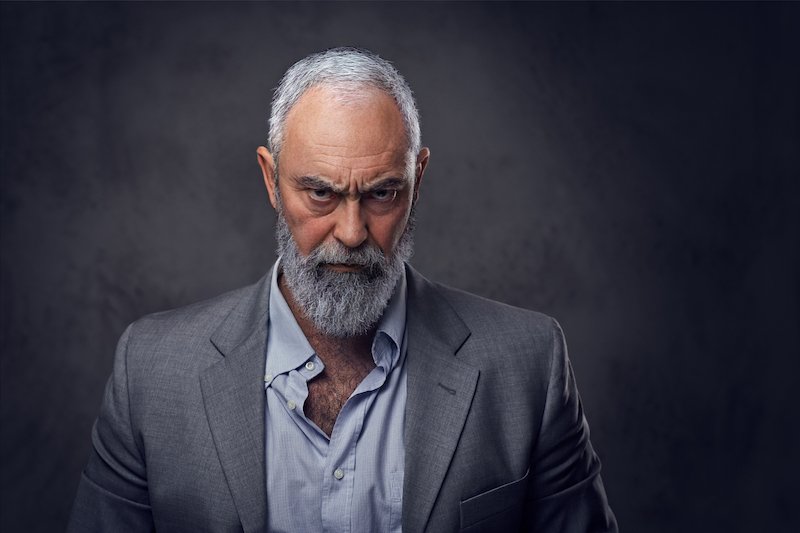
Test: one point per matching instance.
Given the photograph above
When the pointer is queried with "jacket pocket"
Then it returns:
(498, 507)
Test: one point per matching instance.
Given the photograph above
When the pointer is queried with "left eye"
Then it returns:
(383, 195)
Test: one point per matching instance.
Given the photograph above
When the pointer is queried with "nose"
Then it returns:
(351, 228)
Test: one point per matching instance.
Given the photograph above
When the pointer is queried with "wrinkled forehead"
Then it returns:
(357, 120)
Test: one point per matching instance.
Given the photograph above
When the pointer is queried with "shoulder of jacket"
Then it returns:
(504, 338)
(200, 317)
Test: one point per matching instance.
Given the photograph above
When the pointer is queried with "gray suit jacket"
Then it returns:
(495, 434)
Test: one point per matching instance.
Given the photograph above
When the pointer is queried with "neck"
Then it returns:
(327, 346)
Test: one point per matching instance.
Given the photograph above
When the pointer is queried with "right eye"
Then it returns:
(320, 194)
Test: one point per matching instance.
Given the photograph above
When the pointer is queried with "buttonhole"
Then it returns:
(448, 389)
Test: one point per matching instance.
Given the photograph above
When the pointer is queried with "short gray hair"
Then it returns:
(347, 71)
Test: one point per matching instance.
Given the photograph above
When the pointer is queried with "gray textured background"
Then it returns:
(631, 169)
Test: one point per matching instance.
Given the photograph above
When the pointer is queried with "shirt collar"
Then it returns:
(392, 325)
(288, 348)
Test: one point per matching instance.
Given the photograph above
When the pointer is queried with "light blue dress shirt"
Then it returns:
(352, 482)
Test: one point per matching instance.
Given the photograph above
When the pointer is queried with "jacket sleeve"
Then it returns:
(113, 494)
(565, 493)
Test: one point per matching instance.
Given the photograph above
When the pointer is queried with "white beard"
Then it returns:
(342, 304)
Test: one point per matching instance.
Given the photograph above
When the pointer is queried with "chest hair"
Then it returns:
(346, 365)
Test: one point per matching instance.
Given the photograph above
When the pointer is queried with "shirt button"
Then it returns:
(291, 405)
(338, 474)
(309, 366)
(267, 378)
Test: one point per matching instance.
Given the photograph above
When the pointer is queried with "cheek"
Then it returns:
(308, 231)
(389, 229)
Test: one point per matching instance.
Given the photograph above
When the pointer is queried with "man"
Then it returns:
(342, 392)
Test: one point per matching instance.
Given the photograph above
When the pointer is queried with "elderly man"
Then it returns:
(344, 391)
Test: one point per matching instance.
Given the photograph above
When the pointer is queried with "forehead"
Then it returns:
(327, 133)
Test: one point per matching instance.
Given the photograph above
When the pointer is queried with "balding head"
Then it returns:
(347, 74)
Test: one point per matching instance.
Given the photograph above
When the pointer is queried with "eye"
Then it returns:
(320, 194)
(383, 195)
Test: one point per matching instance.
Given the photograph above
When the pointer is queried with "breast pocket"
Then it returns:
(499, 509)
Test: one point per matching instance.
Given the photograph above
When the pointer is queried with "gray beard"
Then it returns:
(342, 304)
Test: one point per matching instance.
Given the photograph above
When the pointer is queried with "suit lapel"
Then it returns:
(233, 394)
(440, 391)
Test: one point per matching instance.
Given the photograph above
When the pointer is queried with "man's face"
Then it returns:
(344, 173)
(344, 196)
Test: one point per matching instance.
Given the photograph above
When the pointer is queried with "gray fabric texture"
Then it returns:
(496, 439)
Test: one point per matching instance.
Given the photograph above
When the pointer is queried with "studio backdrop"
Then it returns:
(630, 169)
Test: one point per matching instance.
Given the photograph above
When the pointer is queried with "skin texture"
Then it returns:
(343, 176)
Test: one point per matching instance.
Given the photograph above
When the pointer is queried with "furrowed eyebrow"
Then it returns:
(317, 183)
(388, 183)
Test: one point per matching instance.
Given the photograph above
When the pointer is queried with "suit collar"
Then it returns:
(233, 395)
(432, 316)
(247, 316)
(440, 391)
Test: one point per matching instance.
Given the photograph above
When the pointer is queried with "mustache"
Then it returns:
(335, 252)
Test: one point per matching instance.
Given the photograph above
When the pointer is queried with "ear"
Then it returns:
(422, 162)
(267, 165)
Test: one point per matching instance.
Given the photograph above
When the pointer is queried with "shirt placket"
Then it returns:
(340, 470)
(340, 465)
